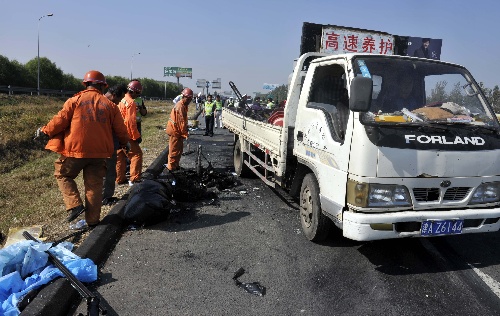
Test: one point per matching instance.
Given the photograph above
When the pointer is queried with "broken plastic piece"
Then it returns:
(254, 288)
(78, 225)
(238, 273)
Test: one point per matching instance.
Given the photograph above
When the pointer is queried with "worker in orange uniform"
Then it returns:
(82, 133)
(177, 129)
(128, 109)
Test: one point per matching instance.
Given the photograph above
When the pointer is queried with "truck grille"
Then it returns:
(432, 194)
(426, 194)
(456, 194)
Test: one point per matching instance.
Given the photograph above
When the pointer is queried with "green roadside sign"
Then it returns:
(173, 71)
(170, 71)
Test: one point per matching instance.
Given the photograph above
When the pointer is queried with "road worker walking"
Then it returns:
(82, 133)
(128, 109)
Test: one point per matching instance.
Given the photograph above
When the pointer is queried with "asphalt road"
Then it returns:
(185, 265)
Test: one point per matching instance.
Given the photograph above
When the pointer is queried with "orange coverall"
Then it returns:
(177, 129)
(128, 109)
(82, 133)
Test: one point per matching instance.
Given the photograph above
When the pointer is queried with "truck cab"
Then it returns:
(393, 146)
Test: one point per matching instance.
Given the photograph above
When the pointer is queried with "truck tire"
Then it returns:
(315, 224)
(240, 168)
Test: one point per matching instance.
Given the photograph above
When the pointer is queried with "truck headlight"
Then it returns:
(486, 193)
(377, 195)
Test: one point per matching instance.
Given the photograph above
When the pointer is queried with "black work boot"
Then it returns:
(75, 212)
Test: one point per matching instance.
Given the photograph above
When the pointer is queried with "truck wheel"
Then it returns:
(315, 224)
(240, 168)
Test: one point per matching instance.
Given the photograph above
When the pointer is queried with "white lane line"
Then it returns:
(493, 284)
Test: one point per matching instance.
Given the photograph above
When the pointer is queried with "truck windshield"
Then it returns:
(407, 90)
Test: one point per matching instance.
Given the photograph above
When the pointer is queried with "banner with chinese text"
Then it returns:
(343, 40)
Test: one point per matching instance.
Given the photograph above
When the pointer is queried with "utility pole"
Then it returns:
(132, 64)
(38, 56)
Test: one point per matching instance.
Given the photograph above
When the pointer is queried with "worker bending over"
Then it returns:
(177, 129)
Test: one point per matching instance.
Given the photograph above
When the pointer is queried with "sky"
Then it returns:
(247, 42)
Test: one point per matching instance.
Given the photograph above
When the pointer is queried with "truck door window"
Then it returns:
(329, 95)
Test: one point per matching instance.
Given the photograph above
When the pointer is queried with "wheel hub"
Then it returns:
(306, 207)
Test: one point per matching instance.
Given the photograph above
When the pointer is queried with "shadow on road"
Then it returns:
(190, 220)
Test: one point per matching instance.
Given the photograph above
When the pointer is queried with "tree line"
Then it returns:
(457, 94)
(14, 73)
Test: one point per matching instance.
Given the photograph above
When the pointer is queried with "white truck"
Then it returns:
(413, 150)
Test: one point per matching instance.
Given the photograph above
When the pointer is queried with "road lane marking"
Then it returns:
(491, 283)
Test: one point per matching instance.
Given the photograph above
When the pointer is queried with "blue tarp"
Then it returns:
(24, 267)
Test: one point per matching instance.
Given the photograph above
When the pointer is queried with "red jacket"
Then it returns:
(128, 109)
(177, 124)
(84, 127)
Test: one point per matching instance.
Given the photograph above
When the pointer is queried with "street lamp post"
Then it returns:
(38, 56)
(132, 64)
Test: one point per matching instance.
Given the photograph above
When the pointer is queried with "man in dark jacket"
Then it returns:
(423, 51)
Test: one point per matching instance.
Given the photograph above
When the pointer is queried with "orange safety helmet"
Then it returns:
(188, 93)
(94, 76)
(135, 86)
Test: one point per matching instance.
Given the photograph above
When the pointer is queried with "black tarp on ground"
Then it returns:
(149, 200)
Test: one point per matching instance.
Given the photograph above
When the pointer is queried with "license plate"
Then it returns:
(444, 227)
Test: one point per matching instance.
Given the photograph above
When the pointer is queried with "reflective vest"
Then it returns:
(209, 108)
(139, 103)
(270, 105)
(218, 105)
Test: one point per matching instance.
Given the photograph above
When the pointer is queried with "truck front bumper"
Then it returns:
(374, 226)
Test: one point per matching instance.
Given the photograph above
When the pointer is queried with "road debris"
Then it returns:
(81, 224)
(152, 200)
(25, 268)
(15, 234)
(254, 288)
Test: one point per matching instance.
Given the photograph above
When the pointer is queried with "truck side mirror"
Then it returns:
(361, 94)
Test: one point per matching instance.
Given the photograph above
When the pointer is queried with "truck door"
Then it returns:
(323, 131)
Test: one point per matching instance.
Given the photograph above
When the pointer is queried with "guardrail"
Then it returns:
(11, 90)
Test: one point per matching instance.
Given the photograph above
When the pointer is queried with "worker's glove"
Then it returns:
(41, 136)
(126, 148)
(139, 140)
